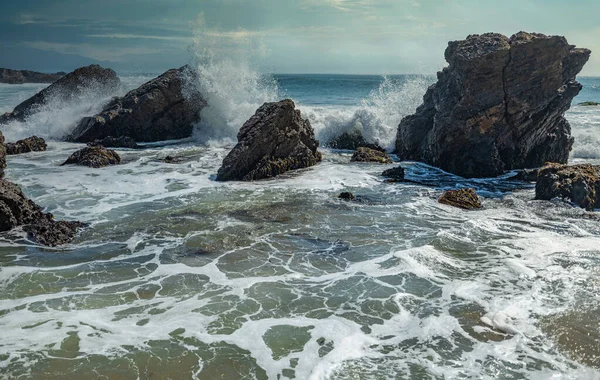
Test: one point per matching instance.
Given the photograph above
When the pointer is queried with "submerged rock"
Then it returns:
(352, 140)
(25, 76)
(17, 210)
(81, 81)
(579, 184)
(364, 154)
(30, 144)
(94, 157)
(116, 142)
(498, 106)
(347, 196)
(589, 104)
(276, 139)
(461, 198)
(166, 108)
(394, 173)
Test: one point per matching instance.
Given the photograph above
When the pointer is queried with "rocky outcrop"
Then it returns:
(2, 155)
(396, 173)
(116, 142)
(166, 108)
(275, 140)
(94, 78)
(94, 157)
(30, 144)
(9, 76)
(462, 198)
(16, 210)
(579, 184)
(352, 140)
(364, 154)
(498, 106)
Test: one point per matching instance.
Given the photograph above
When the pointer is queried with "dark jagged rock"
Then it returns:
(352, 140)
(498, 106)
(17, 210)
(394, 173)
(25, 76)
(116, 142)
(2, 155)
(93, 157)
(72, 86)
(347, 196)
(364, 154)
(166, 108)
(173, 160)
(461, 198)
(30, 144)
(579, 184)
(527, 175)
(276, 139)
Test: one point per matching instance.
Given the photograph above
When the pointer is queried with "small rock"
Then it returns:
(352, 140)
(116, 142)
(396, 173)
(173, 159)
(579, 184)
(364, 154)
(30, 144)
(347, 196)
(94, 157)
(588, 104)
(461, 198)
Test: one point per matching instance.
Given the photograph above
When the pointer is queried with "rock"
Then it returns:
(94, 157)
(116, 142)
(276, 139)
(461, 198)
(9, 76)
(589, 104)
(364, 154)
(173, 160)
(16, 210)
(527, 175)
(72, 86)
(30, 144)
(347, 196)
(579, 184)
(394, 173)
(2, 155)
(352, 140)
(166, 108)
(498, 106)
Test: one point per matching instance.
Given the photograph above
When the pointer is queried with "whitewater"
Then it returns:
(179, 276)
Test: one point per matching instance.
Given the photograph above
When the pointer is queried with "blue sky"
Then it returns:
(282, 36)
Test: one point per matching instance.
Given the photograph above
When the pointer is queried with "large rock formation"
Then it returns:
(25, 76)
(499, 105)
(579, 184)
(166, 108)
(2, 155)
(30, 144)
(276, 139)
(94, 78)
(95, 156)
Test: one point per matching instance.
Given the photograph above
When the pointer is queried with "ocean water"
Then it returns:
(182, 277)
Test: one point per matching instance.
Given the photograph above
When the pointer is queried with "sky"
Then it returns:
(278, 36)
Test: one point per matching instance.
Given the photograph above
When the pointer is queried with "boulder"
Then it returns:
(166, 108)
(30, 144)
(461, 198)
(396, 173)
(498, 106)
(116, 142)
(346, 196)
(352, 140)
(580, 184)
(9, 76)
(94, 78)
(276, 139)
(364, 154)
(93, 157)
(17, 210)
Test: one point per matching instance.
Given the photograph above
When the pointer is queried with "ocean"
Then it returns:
(181, 277)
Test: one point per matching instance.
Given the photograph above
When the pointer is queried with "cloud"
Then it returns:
(140, 36)
(102, 53)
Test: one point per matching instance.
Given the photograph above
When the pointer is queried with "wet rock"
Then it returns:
(498, 106)
(173, 159)
(166, 108)
(72, 86)
(275, 140)
(2, 155)
(394, 173)
(364, 154)
(116, 142)
(9, 76)
(94, 157)
(461, 198)
(17, 210)
(579, 184)
(526, 175)
(352, 140)
(589, 104)
(347, 196)
(30, 144)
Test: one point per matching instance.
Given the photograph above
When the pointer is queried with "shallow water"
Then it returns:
(183, 277)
